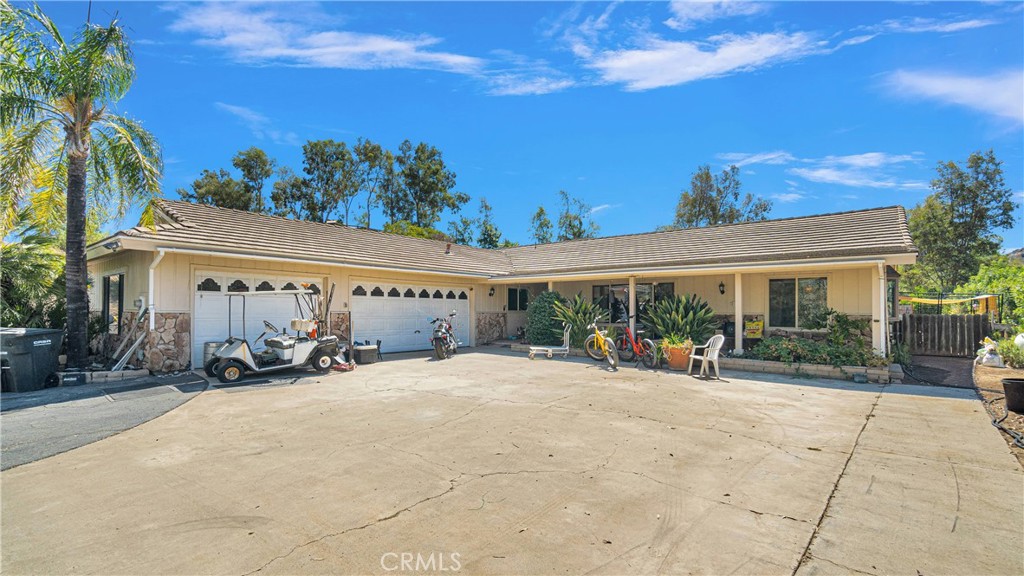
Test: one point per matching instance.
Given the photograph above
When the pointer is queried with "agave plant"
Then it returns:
(682, 317)
(579, 312)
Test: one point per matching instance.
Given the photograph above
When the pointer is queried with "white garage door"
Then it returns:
(399, 314)
(262, 302)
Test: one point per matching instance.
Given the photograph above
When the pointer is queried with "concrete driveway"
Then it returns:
(490, 463)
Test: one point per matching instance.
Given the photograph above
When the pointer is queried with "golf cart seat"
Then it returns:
(281, 342)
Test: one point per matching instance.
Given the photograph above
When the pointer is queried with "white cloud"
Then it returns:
(788, 197)
(741, 159)
(524, 76)
(687, 14)
(602, 207)
(918, 25)
(1000, 94)
(282, 34)
(660, 63)
(260, 126)
(866, 170)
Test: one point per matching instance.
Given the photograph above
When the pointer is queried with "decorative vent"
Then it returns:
(424, 293)
(238, 286)
(463, 296)
(264, 287)
(409, 293)
(208, 285)
(450, 295)
(289, 286)
(394, 293)
(359, 291)
(438, 295)
(376, 291)
(314, 288)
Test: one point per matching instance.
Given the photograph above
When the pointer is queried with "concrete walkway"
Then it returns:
(494, 464)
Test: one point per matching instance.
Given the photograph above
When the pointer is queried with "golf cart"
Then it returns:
(282, 350)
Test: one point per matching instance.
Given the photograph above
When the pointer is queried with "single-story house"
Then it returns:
(186, 268)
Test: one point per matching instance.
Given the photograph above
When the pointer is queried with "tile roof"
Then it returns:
(872, 232)
(223, 229)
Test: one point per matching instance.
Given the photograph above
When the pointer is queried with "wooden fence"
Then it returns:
(945, 334)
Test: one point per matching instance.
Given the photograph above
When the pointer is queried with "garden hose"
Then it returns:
(1017, 437)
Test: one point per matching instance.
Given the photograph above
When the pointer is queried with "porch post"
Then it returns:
(878, 318)
(738, 311)
(551, 286)
(632, 304)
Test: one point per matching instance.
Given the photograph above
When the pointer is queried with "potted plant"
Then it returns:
(677, 351)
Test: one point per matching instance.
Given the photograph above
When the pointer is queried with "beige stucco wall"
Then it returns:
(133, 264)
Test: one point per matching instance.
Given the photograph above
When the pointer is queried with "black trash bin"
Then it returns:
(29, 358)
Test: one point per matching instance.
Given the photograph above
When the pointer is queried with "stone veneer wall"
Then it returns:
(169, 346)
(490, 326)
(340, 326)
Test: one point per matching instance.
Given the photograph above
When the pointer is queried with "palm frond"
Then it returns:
(20, 166)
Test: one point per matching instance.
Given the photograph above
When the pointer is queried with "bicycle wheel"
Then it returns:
(625, 349)
(650, 357)
(612, 357)
(593, 348)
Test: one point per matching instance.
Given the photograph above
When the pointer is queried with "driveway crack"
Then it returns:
(835, 487)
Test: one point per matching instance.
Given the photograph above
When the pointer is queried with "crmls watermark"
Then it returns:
(419, 562)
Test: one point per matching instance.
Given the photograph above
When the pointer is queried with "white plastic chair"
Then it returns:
(708, 356)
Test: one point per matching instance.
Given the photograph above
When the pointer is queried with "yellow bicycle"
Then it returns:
(599, 347)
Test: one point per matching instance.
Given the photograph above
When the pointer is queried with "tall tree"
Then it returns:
(218, 189)
(60, 134)
(256, 167)
(540, 226)
(955, 227)
(462, 231)
(575, 222)
(428, 185)
(375, 169)
(716, 199)
(290, 194)
(490, 236)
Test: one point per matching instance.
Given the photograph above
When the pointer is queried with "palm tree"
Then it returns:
(63, 146)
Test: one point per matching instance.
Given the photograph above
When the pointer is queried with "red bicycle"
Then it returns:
(630, 349)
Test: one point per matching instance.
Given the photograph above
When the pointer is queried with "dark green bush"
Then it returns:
(686, 317)
(542, 327)
(805, 351)
(581, 313)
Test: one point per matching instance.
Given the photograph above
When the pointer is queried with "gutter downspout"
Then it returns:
(152, 306)
(883, 309)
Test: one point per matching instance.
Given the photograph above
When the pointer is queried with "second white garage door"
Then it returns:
(399, 314)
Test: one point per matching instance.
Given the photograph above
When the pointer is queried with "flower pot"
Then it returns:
(678, 358)
(1013, 388)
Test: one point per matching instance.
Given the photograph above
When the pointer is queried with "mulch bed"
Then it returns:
(988, 381)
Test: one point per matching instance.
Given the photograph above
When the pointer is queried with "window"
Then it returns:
(518, 299)
(615, 298)
(793, 302)
(113, 301)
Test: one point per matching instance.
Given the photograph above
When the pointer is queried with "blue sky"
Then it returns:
(825, 106)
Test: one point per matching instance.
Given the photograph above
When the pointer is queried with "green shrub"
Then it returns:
(805, 351)
(542, 327)
(1012, 355)
(581, 313)
(686, 317)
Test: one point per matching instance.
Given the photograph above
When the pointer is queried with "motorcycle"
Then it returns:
(443, 338)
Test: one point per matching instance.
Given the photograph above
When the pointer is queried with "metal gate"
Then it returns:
(945, 334)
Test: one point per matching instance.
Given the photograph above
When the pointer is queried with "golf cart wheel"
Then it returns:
(322, 362)
(230, 371)
(211, 367)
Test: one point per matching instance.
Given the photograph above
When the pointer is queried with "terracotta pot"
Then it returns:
(678, 358)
